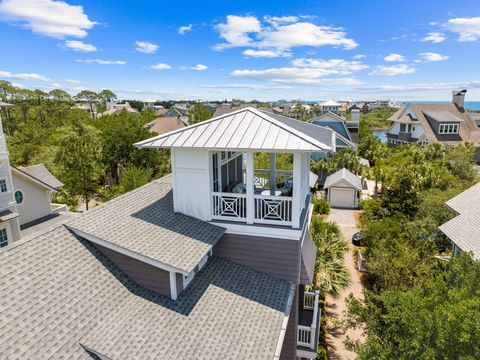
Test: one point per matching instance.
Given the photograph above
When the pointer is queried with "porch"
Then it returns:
(259, 188)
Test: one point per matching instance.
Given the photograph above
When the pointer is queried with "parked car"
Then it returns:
(357, 239)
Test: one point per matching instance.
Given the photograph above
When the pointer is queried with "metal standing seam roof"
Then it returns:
(60, 293)
(246, 129)
(346, 175)
(41, 173)
(464, 229)
(143, 221)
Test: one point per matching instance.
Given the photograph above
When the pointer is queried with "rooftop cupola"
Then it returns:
(248, 166)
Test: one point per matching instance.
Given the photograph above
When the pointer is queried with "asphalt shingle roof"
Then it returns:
(58, 293)
(464, 229)
(143, 221)
(41, 173)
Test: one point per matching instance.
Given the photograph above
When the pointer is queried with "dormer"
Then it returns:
(246, 167)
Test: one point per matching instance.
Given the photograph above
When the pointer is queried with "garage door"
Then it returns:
(342, 198)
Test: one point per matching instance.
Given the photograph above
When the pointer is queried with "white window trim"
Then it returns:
(23, 196)
(6, 184)
(445, 128)
(9, 233)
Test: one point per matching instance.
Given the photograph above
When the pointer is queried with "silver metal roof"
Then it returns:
(247, 129)
(346, 175)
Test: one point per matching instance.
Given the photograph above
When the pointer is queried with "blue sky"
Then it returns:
(266, 50)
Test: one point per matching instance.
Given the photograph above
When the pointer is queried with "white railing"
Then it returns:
(229, 206)
(307, 335)
(58, 208)
(273, 209)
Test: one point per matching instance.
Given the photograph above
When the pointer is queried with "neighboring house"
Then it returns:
(464, 229)
(118, 108)
(33, 188)
(175, 111)
(343, 189)
(207, 263)
(164, 124)
(347, 131)
(422, 124)
(330, 106)
(226, 108)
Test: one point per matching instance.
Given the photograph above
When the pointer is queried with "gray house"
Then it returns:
(210, 262)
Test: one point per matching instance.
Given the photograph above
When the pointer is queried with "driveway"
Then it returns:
(334, 308)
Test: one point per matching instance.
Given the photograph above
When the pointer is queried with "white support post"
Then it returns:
(297, 189)
(173, 285)
(273, 180)
(250, 174)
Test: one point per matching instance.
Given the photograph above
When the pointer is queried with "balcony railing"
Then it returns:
(307, 335)
(268, 209)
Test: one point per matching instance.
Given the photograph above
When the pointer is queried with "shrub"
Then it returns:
(320, 206)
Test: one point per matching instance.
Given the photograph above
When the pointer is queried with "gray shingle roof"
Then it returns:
(58, 292)
(41, 173)
(143, 221)
(343, 174)
(464, 229)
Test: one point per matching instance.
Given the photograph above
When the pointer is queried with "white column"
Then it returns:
(273, 180)
(250, 188)
(297, 189)
(173, 285)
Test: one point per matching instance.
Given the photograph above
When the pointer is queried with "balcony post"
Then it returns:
(250, 174)
(273, 177)
(297, 189)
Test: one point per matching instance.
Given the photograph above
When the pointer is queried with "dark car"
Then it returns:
(357, 239)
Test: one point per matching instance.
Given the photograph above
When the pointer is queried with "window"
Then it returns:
(3, 185)
(3, 238)
(19, 196)
(448, 129)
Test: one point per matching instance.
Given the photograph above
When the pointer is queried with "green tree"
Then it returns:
(438, 318)
(134, 177)
(198, 113)
(89, 97)
(79, 159)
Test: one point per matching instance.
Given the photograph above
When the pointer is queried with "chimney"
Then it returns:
(458, 97)
(355, 115)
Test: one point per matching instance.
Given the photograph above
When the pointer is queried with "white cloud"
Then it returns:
(394, 58)
(432, 57)
(198, 67)
(266, 53)
(359, 57)
(468, 29)
(101, 62)
(55, 85)
(184, 29)
(434, 37)
(307, 71)
(146, 47)
(332, 66)
(51, 18)
(80, 46)
(422, 87)
(246, 86)
(393, 70)
(22, 76)
(278, 20)
(280, 33)
(235, 31)
(72, 81)
(160, 66)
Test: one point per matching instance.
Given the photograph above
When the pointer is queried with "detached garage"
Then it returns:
(343, 189)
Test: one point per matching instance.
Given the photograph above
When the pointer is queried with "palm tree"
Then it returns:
(331, 275)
